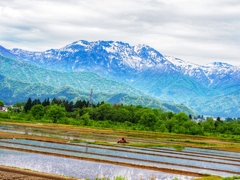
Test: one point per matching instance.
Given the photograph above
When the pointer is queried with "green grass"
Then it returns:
(211, 177)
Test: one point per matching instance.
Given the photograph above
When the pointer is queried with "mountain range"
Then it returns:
(121, 73)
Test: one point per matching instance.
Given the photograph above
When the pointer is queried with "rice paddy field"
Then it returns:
(73, 152)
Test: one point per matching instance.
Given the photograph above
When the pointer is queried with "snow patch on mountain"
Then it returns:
(190, 69)
(81, 43)
(219, 69)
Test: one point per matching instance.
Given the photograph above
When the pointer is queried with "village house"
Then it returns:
(3, 108)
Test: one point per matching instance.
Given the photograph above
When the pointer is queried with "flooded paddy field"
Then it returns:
(61, 157)
(77, 168)
(29, 150)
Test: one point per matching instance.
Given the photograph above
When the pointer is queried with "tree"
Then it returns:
(80, 104)
(119, 114)
(181, 117)
(181, 130)
(56, 101)
(162, 128)
(164, 116)
(148, 119)
(176, 122)
(157, 112)
(103, 111)
(217, 123)
(36, 101)
(37, 111)
(195, 130)
(192, 128)
(28, 105)
(46, 102)
(171, 123)
(69, 106)
(190, 116)
(1, 103)
(56, 112)
(18, 106)
(237, 129)
(86, 119)
(136, 115)
(208, 125)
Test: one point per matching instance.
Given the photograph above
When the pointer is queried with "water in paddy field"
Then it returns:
(87, 169)
(78, 168)
(190, 159)
(120, 156)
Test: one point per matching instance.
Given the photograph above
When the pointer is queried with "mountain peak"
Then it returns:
(219, 64)
(80, 42)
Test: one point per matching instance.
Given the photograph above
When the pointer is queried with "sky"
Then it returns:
(198, 31)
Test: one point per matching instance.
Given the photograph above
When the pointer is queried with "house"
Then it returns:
(3, 108)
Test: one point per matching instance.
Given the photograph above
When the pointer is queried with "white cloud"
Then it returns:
(201, 31)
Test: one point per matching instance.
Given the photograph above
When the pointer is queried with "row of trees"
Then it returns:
(126, 116)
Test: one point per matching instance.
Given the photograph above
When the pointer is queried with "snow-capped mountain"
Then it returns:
(142, 67)
(107, 53)
(105, 57)
(218, 75)
(110, 57)
(210, 73)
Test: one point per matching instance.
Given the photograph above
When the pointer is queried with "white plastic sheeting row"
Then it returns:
(78, 168)
(159, 160)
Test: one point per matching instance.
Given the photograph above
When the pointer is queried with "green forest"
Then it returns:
(106, 115)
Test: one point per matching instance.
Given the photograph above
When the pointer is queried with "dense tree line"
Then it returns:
(125, 116)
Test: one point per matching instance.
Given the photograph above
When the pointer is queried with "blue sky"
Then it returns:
(198, 31)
